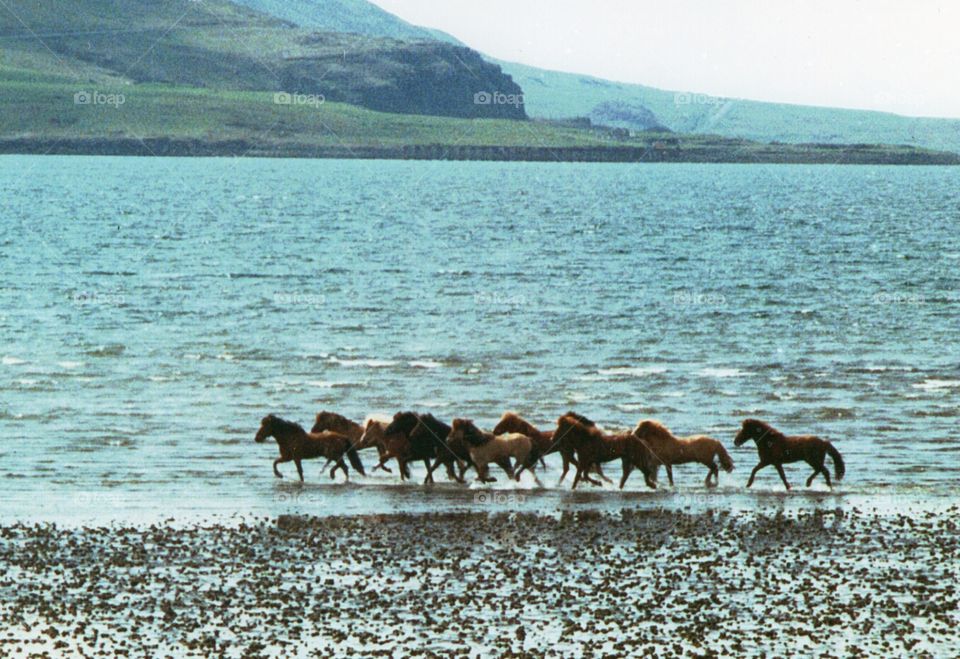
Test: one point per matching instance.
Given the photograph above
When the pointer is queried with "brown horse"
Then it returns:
(594, 447)
(485, 447)
(297, 444)
(670, 450)
(778, 449)
(543, 443)
(341, 424)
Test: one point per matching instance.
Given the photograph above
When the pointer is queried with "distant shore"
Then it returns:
(826, 582)
(721, 152)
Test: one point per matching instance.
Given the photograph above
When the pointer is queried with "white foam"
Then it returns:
(426, 363)
(632, 370)
(370, 363)
(933, 384)
(722, 372)
(13, 361)
(69, 365)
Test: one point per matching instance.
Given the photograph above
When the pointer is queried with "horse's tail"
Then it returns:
(838, 467)
(726, 462)
(354, 458)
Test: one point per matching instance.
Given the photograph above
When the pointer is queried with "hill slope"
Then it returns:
(554, 95)
(220, 45)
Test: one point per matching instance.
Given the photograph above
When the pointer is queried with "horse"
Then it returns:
(594, 447)
(485, 447)
(670, 450)
(451, 454)
(544, 442)
(406, 448)
(341, 424)
(778, 449)
(541, 441)
(297, 444)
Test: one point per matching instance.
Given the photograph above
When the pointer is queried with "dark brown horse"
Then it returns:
(672, 450)
(341, 424)
(778, 449)
(593, 447)
(297, 444)
(428, 444)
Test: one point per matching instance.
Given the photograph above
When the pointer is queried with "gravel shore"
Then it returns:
(646, 583)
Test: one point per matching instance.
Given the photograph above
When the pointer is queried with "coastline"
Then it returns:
(834, 582)
(719, 153)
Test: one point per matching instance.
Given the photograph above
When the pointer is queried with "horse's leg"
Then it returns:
(816, 472)
(504, 463)
(429, 478)
(299, 469)
(598, 470)
(669, 473)
(566, 466)
(713, 472)
(543, 463)
(275, 463)
(627, 467)
(826, 475)
(753, 474)
(431, 468)
(343, 465)
(576, 479)
(783, 476)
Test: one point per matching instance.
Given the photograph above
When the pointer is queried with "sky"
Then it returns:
(899, 56)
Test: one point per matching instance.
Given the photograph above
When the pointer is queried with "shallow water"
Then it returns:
(153, 310)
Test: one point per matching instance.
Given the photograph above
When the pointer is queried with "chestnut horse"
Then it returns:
(485, 447)
(778, 449)
(594, 447)
(297, 444)
(543, 443)
(341, 424)
(670, 450)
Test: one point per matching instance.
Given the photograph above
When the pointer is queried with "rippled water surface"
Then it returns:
(153, 310)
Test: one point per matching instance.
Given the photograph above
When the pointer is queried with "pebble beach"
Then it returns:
(656, 582)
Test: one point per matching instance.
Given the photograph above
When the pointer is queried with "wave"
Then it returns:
(632, 370)
(426, 363)
(722, 372)
(12, 361)
(934, 384)
(369, 363)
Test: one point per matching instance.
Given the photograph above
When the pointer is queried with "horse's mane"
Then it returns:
(765, 428)
(432, 424)
(471, 433)
(401, 419)
(582, 419)
(514, 420)
(378, 418)
(654, 426)
(286, 425)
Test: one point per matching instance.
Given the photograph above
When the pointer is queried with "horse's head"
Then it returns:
(507, 423)
(580, 418)
(266, 428)
(751, 429)
(403, 423)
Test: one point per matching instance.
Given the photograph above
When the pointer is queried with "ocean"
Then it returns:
(154, 309)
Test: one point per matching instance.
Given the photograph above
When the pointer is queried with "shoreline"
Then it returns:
(814, 154)
(835, 583)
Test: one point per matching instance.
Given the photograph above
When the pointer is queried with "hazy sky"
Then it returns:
(896, 55)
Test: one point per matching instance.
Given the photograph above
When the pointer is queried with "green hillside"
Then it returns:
(553, 95)
(220, 45)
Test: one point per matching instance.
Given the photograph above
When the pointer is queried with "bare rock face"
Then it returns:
(622, 114)
(420, 77)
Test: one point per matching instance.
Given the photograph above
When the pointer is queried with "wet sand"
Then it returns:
(643, 583)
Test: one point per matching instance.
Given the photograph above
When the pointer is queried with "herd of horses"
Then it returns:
(515, 445)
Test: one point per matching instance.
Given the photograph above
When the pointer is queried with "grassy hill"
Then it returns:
(555, 95)
(220, 45)
(216, 78)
